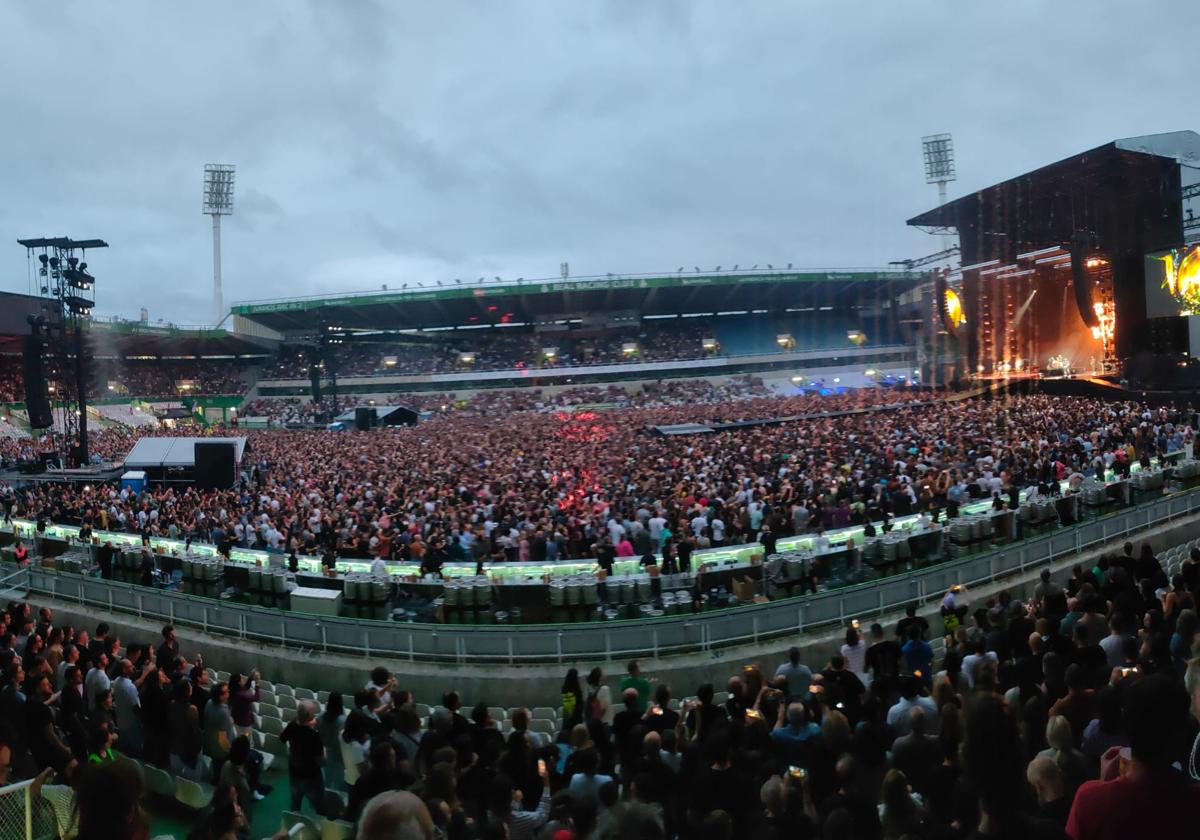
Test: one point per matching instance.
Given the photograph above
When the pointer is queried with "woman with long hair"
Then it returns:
(854, 651)
(598, 699)
(899, 813)
(108, 803)
(572, 700)
(330, 725)
(1076, 768)
(186, 737)
(243, 692)
(353, 747)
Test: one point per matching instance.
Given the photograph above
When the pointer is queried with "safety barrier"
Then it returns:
(515, 644)
(17, 819)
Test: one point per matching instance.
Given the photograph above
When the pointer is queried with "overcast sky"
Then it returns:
(383, 142)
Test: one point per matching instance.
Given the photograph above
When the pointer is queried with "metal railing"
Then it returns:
(518, 644)
(16, 811)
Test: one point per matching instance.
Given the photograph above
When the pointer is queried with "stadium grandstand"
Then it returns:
(795, 329)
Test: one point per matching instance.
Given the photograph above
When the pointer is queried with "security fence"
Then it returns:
(608, 640)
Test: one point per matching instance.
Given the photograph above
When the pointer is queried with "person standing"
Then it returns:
(306, 757)
(634, 679)
(218, 727)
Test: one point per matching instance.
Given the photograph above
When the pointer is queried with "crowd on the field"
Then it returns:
(1073, 712)
(549, 485)
(733, 398)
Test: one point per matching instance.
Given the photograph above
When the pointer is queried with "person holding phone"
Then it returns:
(507, 804)
(1148, 797)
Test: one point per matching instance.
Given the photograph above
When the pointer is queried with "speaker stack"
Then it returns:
(37, 400)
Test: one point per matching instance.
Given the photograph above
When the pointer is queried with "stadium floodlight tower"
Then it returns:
(939, 167)
(218, 202)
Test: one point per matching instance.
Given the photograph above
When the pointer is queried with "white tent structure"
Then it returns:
(174, 453)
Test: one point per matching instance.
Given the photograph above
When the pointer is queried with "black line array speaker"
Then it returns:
(216, 465)
(314, 378)
(363, 418)
(37, 401)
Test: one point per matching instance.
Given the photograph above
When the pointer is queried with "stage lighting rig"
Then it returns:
(65, 281)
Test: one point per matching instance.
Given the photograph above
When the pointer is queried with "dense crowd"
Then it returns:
(169, 378)
(1063, 715)
(502, 350)
(107, 445)
(550, 485)
(682, 393)
(139, 378)
(12, 386)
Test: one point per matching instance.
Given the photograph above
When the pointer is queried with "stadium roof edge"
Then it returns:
(443, 292)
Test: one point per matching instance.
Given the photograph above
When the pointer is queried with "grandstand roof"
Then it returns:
(531, 300)
(133, 338)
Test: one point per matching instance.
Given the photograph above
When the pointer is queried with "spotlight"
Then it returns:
(54, 262)
(83, 266)
(43, 259)
(72, 262)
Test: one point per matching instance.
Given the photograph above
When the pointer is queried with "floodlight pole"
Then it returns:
(218, 202)
(217, 305)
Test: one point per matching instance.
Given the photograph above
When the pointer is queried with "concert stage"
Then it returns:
(1085, 264)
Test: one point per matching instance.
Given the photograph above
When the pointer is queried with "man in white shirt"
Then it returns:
(70, 657)
(128, 707)
(718, 531)
(972, 661)
(899, 720)
(378, 569)
(96, 682)
(657, 523)
(615, 530)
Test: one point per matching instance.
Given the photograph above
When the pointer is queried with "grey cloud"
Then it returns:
(380, 142)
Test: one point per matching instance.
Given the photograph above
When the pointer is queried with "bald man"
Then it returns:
(395, 815)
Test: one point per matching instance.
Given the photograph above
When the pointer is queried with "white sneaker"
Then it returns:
(258, 796)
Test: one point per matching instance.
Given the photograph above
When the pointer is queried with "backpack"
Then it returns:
(594, 710)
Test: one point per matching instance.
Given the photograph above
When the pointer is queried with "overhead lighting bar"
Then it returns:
(985, 264)
(1033, 255)
(1015, 274)
(1051, 260)
(998, 269)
